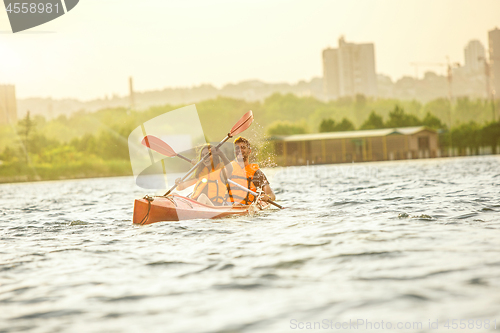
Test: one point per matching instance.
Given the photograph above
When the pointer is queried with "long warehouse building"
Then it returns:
(356, 146)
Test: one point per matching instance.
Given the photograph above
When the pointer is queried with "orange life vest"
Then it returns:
(215, 186)
(244, 177)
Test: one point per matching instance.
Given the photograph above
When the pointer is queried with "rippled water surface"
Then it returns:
(396, 241)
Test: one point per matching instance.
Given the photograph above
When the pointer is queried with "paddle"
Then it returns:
(239, 127)
(163, 148)
(254, 193)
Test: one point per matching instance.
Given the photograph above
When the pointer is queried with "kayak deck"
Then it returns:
(177, 208)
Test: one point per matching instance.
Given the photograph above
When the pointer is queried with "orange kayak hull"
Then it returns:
(178, 208)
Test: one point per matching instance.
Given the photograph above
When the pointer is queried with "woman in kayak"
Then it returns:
(210, 178)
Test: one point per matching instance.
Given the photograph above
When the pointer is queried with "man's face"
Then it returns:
(241, 151)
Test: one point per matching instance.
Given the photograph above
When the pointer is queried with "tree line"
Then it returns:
(396, 118)
(95, 143)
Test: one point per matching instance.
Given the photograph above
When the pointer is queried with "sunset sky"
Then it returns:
(91, 51)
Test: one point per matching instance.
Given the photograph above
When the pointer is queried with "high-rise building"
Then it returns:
(331, 73)
(475, 57)
(349, 70)
(494, 50)
(8, 105)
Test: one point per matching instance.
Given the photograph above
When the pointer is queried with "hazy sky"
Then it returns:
(92, 50)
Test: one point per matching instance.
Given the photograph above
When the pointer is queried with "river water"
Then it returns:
(401, 243)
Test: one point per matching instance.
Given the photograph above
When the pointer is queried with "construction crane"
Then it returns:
(449, 75)
(448, 65)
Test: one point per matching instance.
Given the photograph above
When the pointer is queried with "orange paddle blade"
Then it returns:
(242, 124)
(158, 145)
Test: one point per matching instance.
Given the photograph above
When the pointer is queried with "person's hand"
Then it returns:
(265, 197)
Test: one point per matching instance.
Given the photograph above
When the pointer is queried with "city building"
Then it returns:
(475, 57)
(471, 79)
(494, 53)
(349, 70)
(8, 105)
(356, 146)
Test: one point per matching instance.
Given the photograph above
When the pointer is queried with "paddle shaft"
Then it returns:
(196, 165)
(254, 193)
(183, 157)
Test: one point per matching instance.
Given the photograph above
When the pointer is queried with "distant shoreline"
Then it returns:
(28, 179)
(270, 170)
(18, 172)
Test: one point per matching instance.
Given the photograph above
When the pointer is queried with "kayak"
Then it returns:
(177, 208)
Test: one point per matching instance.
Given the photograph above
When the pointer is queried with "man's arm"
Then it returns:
(269, 194)
(260, 180)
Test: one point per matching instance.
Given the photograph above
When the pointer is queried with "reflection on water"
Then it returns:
(395, 241)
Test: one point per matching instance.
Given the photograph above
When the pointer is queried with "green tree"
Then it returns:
(327, 125)
(490, 135)
(286, 128)
(374, 121)
(26, 127)
(432, 122)
(86, 144)
(398, 118)
(113, 144)
(345, 125)
(440, 108)
(9, 154)
(467, 109)
(466, 135)
(39, 142)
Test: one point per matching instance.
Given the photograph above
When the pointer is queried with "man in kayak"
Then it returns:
(248, 175)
